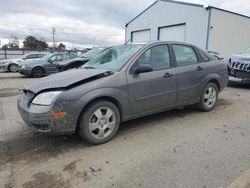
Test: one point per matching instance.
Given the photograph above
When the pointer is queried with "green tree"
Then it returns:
(32, 43)
(61, 47)
(4, 47)
(13, 42)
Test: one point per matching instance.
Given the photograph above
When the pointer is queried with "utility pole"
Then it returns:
(53, 33)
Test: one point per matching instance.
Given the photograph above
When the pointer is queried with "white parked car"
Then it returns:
(11, 65)
(239, 68)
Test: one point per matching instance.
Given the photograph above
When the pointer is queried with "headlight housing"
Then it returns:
(45, 98)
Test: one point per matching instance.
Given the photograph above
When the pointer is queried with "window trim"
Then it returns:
(174, 57)
(131, 67)
(200, 57)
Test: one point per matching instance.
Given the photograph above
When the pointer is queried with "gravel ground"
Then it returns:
(180, 148)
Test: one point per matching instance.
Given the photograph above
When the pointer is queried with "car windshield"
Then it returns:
(247, 51)
(93, 52)
(113, 58)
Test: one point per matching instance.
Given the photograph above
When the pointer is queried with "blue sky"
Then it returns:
(82, 22)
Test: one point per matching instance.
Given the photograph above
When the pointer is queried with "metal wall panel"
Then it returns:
(229, 33)
(163, 14)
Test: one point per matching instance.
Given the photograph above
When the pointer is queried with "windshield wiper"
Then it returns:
(89, 67)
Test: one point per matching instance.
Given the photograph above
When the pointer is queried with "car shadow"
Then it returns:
(38, 146)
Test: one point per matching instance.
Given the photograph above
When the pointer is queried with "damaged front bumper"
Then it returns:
(239, 73)
(42, 118)
(239, 80)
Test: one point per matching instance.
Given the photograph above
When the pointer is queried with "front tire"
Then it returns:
(99, 122)
(209, 97)
(37, 72)
(13, 67)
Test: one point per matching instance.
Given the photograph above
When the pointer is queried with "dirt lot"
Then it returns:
(180, 148)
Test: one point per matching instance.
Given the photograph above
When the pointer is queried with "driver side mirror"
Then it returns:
(143, 69)
(50, 61)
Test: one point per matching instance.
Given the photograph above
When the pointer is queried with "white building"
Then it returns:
(208, 27)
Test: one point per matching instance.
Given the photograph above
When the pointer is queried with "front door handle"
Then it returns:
(167, 75)
(199, 68)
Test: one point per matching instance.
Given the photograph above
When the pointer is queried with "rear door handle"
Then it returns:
(167, 75)
(199, 68)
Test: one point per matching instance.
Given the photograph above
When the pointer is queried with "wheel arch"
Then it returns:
(216, 82)
(100, 98)
(39, 66)
(213, 78)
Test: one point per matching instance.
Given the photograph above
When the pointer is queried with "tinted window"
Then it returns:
(58, 57)
(69, 56)
(185, 55)
(40, 55)
(157, 57)
(31, 56)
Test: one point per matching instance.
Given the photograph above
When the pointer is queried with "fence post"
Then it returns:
(5, 54)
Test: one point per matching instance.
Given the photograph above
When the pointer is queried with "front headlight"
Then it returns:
(45, 98)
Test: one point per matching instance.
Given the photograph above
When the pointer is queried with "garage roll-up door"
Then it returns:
(140, 36)
(173, 33)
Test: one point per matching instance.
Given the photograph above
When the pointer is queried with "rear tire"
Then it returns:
(99, 122)
(209, 97)
(37, 72)
(13, 67)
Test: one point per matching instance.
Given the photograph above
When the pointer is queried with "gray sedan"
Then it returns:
(44, 66)
(11, 65)
(123, 83)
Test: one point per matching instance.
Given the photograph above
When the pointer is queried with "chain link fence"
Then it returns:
(9, 54)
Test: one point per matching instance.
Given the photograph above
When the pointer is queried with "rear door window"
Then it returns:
(185, 55)
(58, 57)
(31, 56)
(70, 56)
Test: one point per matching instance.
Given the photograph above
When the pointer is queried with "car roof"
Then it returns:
(168, 42)
(33, 53)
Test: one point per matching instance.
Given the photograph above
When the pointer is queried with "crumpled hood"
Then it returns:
(241, 57)
(68, 78)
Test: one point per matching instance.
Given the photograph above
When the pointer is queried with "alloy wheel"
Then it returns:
(210, 97)
(102, 123)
